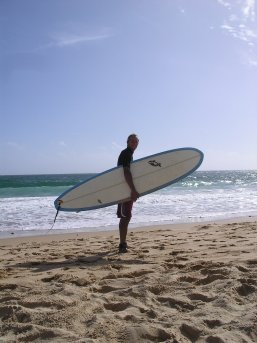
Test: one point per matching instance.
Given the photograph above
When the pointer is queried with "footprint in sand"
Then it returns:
(9, 286)
(245, 289)
(157, 289)
(242, 269)
(210, 278)
(42, 305)
(14, 313)
(214, 339)
(144, 334)
(191, 332)
(200, 296)
(188, 278)
(113, 285)
(178, 304)
(117, 306)
(252, 262)
(8, 298)
(213, 323)
(137, 273)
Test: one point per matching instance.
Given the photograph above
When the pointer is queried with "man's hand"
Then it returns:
(134, 195)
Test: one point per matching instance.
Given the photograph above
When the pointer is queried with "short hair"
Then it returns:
(133, 135)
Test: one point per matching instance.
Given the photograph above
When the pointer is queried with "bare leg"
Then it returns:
(123, 227)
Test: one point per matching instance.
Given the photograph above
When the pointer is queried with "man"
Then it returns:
(124, 211)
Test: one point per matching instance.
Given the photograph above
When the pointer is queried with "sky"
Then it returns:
(78, 76)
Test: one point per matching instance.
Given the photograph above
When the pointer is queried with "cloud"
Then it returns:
(249, 9)
(66, 39)
(14, 145)
(62, 144)
(252, 62)
(76, 36)
(35, 60)
(224, 3)
(241, 32)
(245, 7)
(249, 59)
(241, 24)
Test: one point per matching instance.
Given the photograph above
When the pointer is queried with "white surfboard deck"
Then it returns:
(149, 174)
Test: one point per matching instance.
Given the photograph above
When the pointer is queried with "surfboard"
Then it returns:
(149, 174)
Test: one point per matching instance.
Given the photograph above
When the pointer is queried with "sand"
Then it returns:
(177, 283)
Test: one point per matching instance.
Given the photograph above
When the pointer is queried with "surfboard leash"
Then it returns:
(57, 212)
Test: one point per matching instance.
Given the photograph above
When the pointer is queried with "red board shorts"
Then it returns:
(124, 209)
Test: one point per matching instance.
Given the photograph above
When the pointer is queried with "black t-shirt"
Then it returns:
(125, 158)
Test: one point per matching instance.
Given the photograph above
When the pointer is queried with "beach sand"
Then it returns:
(177, 283)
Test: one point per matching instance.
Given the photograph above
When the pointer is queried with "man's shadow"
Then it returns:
(99, 259)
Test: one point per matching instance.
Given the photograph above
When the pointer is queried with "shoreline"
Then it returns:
(185, 283)
(132, 228)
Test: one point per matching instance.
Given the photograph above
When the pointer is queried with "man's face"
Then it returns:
(133, 143)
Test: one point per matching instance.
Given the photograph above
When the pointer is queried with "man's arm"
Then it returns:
(129, 180)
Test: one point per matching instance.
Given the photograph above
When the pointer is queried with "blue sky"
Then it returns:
(78, 76)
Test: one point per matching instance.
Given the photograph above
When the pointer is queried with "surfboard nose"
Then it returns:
(58, 203)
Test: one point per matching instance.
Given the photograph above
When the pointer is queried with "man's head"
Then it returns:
(132, 141)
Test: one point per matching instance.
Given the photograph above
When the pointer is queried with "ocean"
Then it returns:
(26, 203)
